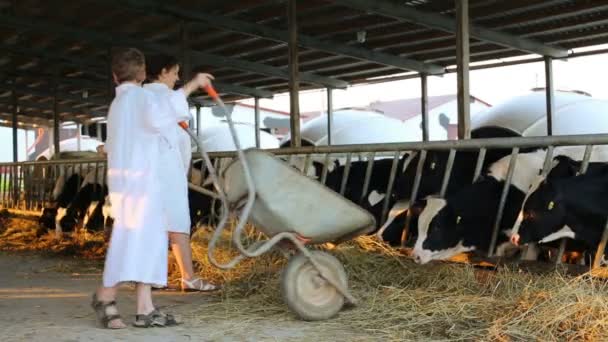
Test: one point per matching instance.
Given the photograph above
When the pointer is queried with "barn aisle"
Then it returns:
(47, 299)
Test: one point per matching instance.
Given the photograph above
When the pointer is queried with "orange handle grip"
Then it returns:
(211, 91)
(183, 124)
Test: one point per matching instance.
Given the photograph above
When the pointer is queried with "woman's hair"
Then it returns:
(127, 63)
(156, 63)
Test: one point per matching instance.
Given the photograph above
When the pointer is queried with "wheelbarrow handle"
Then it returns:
(211, 91)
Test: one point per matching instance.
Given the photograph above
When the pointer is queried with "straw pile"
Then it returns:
(399, 300)
(23, 235)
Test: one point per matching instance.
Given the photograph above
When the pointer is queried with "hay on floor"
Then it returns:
(399, 300)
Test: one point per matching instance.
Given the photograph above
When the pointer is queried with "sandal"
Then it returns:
(155, 318)
(203, 286)
(103, 316)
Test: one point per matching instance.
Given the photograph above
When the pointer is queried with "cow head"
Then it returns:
(47, 218)
(441, 232)
(392, 231)
(543, 217)
(464, 221)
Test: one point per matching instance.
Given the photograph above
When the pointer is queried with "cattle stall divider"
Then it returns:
(29, 185)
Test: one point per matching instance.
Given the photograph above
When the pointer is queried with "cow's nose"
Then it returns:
(515, 239)
(417, 259)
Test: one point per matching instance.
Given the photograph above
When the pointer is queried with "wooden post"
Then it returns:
(294, 87)
(549, 91)
(257, 123)
(462, 59)
(15, 125)
(424, 106)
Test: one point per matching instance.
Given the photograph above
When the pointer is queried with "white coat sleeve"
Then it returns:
(179, 104)
(155, 119)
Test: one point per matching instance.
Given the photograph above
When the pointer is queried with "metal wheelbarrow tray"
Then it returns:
(286, 205)
(287, 201)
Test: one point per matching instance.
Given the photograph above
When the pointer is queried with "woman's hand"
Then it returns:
(201, 80)
(101, 150)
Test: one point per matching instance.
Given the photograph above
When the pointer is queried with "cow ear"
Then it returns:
(563, 167)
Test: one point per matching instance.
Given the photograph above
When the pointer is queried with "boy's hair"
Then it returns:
(156, 63)
(127, 63)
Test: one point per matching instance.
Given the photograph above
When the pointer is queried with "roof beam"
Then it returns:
(446, 24)
(42, 93)
(25, 105)
(24, 23)
(94, 66)
(265, 32)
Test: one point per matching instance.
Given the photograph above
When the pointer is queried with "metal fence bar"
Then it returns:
(345, 174)
(600, 248)
(503, 200)
(307, 162)
(29, 186)
(448, 172)
(325, 167)
(546, 168)
(413, 196)
(480, 159)
(389, 187)
(586, 158)
(368, 176)
(3, 185)
(461, 145)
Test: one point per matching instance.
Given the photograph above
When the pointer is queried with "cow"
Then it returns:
(63, 194)
(565, 205)
(85, 208)
(433, 171)
(79, 198)
(373, 199)
(463, 221)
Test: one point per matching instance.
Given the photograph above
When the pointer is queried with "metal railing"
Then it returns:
(29, 185)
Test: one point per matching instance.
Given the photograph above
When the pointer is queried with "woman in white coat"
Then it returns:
(163, 73)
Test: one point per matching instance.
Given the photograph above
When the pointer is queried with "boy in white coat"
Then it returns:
(137, 132)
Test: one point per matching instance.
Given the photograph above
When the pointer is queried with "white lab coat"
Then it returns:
(136, 131)
(175, 158)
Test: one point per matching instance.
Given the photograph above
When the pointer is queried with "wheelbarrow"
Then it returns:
(289, 208)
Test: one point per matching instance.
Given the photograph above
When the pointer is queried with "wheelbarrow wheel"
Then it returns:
(307, 293)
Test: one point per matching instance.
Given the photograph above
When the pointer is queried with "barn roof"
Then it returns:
(62, 46)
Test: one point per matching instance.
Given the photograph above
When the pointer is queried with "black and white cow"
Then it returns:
(79, 199)
(63, 194)
(464, 221)
(433, 171)
(373, 199)
(86, 209)
(565, 205)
